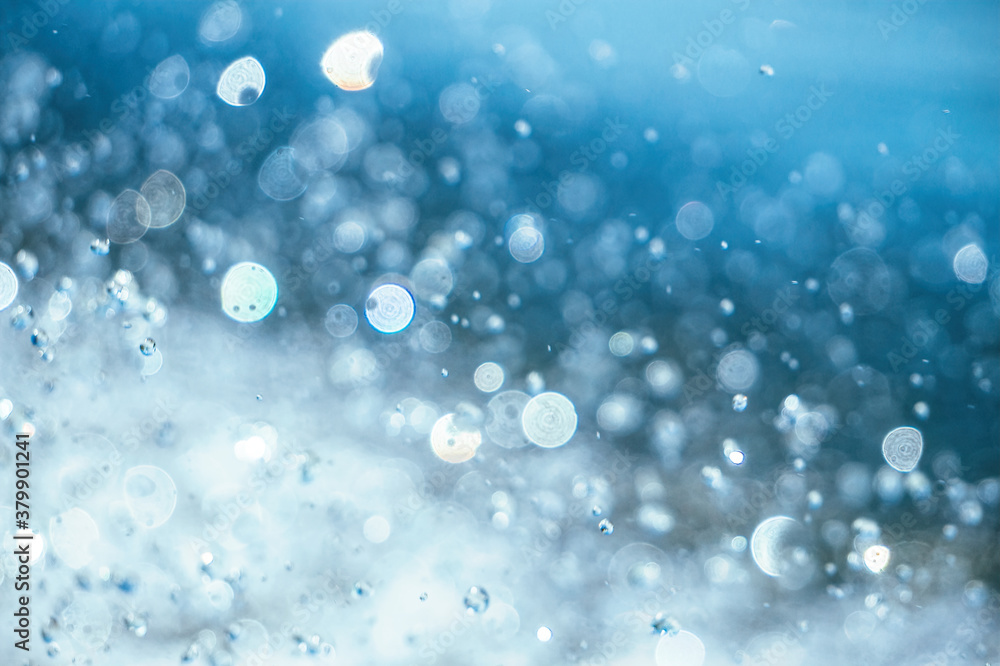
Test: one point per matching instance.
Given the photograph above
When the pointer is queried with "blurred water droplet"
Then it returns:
(351, 62)
(100, 247)
(476, 600)
(389, 308)
(8, 286)
(242, 82)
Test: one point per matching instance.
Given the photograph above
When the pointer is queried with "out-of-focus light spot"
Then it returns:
(970, 264)
(72, 534)
(150, 494)
(281, 177)
(251, 448)
(389, 308)
(902, 448)
(488, 377)
(544, 634)
(526, 244)
(549, 420)
(695, 220)
(341, 321)
(8, 286)
(352, 60)
(737, 457)
(877, 558)
(242, 82)
(377, 529)
(166, 197)
(220, 22)
(621, 343)
(170, 78)
(737, 370)
(680, 649)
(249, 292)
(128, 218)
(454, 442)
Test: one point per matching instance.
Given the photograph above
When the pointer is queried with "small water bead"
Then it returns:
(242, 82)
(767, 70)
(351, 62)
(526, 244)
(21, 316)
(665, 626)
(27, 263)
(249, 292)
(39, 338)
(166, 197)
(341, 320)
(128, 217)
(453, 441)
(489, 377)
(606, 527)
(549, 420)
(389, 308)
(170, 78)
(281, 177)
(695, 220)
(902, 448)
(970, 264)
(921, 410)
(147, 347)
(726, 307)
(100, 247)
(8, 286)
(596, 511)
(220, 22)
(476, 600)
(444, 372)
(739, 402)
